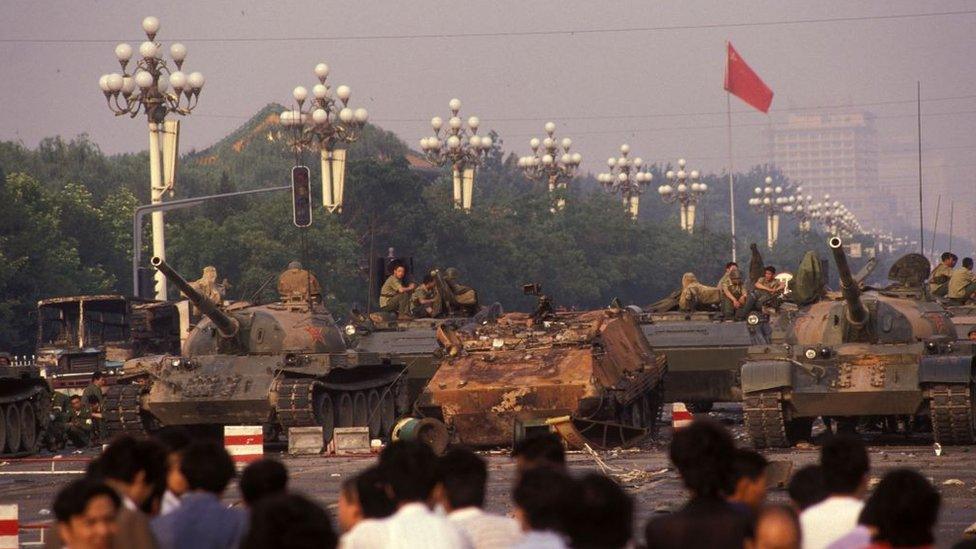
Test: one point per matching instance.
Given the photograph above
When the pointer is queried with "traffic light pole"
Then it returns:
(141, 212)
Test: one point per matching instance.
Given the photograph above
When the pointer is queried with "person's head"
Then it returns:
(86, 512)
(410, 470)
(461, 479)
(749, 478)
(806, 487)
(210, 273)
(769, 272)
(949, 258)
(295, 265)
(735, 277)
(136, 468)
(905, 508)
(289, 521)
(174, 439)
(703, 453)
(544, 450)
(967, 263)
(207, 467)
(845, 464)
(451, 273)
(777, 527)
(544, 499)
(972, 334)
(76, 403)
(731, 265)
(364, 497)
(263, 478)
(604, 514)
(400, 271)
(428, 281)
(98, 378)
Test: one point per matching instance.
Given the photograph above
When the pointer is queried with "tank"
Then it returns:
(589, 375)
(888, 353)
(281, 365)
(25, 402)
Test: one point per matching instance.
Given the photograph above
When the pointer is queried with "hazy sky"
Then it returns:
(642, 87)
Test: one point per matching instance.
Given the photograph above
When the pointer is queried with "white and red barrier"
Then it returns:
(9, 527)
(244, 443)
(680, 416)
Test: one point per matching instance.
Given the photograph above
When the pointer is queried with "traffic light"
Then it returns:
(301, 196)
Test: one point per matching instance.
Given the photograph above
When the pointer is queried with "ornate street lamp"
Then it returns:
(769, 200)
(628, 177)
(685, 188)
(547, 164)
(150, 86)
(460, 147)
(327, 123)
(799, 205)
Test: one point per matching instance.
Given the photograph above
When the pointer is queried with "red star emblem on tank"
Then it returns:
(316, 334)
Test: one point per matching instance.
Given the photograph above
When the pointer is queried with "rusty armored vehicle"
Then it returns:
(79, 335)
(589, 375)
(867, 353)
(25, 402)
(283, 364)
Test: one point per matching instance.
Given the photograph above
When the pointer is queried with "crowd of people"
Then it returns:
(166, 492)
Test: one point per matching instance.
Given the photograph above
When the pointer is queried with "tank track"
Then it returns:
(298, 399)
(295, 402)
(123, 412)
(764, 420)
(952, 413)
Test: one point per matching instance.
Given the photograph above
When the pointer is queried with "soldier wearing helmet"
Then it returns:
(297, 284)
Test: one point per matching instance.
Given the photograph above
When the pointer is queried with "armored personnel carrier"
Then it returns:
(25, 402)
(872, 352)
(284, 364)
(591, 374)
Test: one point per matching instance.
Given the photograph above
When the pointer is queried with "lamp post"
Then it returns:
(150, 86)
(769, 200)
(460, 147)
(685, 188)
(799, 205)
(628, 177)
(327, 123)
(547, 164)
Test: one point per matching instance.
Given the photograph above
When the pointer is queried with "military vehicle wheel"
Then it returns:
(325, 414)
(344, 411)
(360, 412)
(374, 419)
(28, 428)
(387, 413)
(13, 428)
(953, 415)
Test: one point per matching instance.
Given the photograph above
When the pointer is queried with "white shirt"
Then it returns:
(486, 530)
(413, 525)
(546, 539)
(829, 520)
(171, 502)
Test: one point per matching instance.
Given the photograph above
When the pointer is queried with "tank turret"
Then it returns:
(856, 314)
(227, 325)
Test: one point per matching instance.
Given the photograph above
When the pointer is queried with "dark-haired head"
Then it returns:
(544, 499)
(749, 478)
(461, 476)
(604, 514)
(904, 509)
(137, 468)
(845, 463)
(806, 487)
(289, 521)
(207, 466)
(263, 478)
(544, 450)
(410, 470)
(703, 453)
(967, 262)
(86, 512)
(770, 269)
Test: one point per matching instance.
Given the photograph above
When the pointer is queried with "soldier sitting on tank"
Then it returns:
(734, 295)
(730, 267)
(208, 287)
(766, 293)
(55, 432)
(395, 294)
(939, 280)
(962, 283)
(425, 301)
(298, 285)
(697, 296)
(464, 296)
(79, 423)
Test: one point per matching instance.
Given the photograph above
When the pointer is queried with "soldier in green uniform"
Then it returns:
(734, 295)
(939, 281)
(465, 297)
(54, 436)
(79, 423)
(93, 396)
(395, 295)
(962, 283)
(424, 301)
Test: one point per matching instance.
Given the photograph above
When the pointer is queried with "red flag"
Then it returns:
(744, 83)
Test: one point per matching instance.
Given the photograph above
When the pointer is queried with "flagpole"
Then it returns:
(728, 112)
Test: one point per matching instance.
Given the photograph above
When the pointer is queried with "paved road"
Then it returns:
(646, 472)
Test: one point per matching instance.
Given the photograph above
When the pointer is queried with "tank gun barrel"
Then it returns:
(226, 324)
(856, 312)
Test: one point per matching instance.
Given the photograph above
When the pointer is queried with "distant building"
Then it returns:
(836, 154)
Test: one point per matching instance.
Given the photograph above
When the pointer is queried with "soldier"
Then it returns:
(729, 267)
(695, 295)
(962, 283)
(766, 290)
(208, 286)
(93, 396)
(734, 295)
(297, 284)
(395, 295)
(55, 433)
(425, 301)
(464, 296)
(79, 423)
(939, 281)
